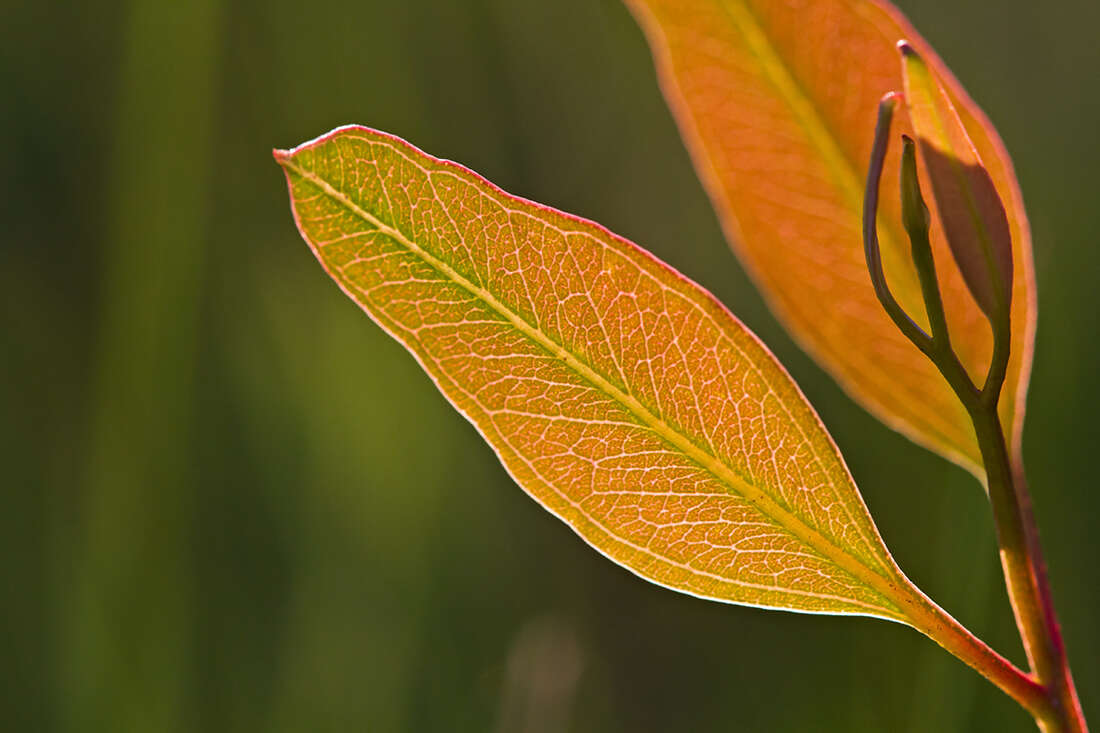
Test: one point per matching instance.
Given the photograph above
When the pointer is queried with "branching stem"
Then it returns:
(1058, 709)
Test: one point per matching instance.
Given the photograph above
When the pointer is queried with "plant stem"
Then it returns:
(1048, 693)
(938, 625)
(1025, 575)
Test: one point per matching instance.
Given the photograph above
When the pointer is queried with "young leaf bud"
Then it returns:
(970, 209)
(914, 212)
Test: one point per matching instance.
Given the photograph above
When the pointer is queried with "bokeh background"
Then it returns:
(230, 503)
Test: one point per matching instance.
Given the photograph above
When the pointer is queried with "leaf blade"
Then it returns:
(755, 87)
(971, 212)
(580, 377)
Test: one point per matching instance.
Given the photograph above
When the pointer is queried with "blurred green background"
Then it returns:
(230, 503)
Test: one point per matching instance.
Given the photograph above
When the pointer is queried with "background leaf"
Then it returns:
(621, 396)
(776, 102)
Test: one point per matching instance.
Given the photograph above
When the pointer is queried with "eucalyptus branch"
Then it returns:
(1017, 534)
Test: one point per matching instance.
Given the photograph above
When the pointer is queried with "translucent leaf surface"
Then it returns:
(777, 101)
(621, 396)
(971, 211)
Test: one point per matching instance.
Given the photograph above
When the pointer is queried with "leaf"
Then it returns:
(621, 396)
(776, 102)
(971, 211)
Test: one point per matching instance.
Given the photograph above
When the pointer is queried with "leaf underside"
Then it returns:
(621, 396)
(777, 102)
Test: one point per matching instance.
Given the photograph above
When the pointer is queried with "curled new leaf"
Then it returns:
(970, 208)
(776, 101)
(621, 396)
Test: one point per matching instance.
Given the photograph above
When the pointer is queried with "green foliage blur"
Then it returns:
(230, 503)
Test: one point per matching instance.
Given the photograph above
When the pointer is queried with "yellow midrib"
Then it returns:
(886, 587)
(843, 169)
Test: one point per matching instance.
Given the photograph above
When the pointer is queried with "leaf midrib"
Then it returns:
(843, 168)
(887, 587)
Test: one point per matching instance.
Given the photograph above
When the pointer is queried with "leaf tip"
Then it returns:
(911, 61)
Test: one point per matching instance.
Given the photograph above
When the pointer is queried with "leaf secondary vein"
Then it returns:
(891, 587)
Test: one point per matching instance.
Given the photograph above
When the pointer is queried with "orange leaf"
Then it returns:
(618, 394)
(776, 102)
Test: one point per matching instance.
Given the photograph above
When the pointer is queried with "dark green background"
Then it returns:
(231, 503)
